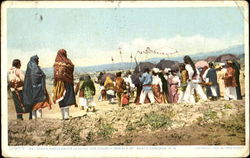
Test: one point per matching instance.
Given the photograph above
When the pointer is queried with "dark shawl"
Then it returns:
(34, 89)
(63, 67)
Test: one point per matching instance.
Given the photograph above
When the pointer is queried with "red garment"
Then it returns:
(63, 67)
(125, 99)
(229, 78)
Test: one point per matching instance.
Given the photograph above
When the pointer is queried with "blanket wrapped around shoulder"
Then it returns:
(63, 74)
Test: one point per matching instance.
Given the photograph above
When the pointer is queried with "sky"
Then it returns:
(92, 36)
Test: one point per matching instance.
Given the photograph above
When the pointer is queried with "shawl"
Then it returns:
(63, 67)
(34, 89)
(108, 84)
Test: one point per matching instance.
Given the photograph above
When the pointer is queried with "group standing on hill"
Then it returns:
(185, 84)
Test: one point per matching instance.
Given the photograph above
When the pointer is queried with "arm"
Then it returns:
(160, 84)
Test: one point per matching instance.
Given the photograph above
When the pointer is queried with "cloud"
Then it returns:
(184, 44)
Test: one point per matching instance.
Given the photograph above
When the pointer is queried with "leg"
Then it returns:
(142, 97)
(34, 114)
(151, 96)
(19, 116)
(62, 111)
(200, 92)
(39, 113)
(227, 93)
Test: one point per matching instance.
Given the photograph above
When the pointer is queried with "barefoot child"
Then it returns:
(86, 90)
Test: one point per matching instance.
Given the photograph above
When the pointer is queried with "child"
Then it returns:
(86, 93)
(125, 98)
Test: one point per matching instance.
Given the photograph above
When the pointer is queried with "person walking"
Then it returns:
(211, 81)
(63, 92)
(120, 86)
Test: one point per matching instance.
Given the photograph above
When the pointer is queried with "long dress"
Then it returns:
(157, 89)
(174, 83)
(63, 92)
(35, 95)
(230, 84)
(220, 74)
(16, 78)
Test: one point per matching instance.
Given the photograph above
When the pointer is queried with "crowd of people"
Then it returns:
(186, 84)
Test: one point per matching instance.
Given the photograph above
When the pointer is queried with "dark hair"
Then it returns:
(210, 64)
(188, 60)
(16, 62)
(146, 69)
(118, 74)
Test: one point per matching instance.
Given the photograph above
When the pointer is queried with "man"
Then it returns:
(146, 80)
(16, 78)
(230, 82)
(211, 81)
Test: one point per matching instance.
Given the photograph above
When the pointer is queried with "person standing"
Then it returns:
(221, 71)
(63, 92)
(236, 67)
(87, 91)
(146, 80)
(211, 81)
(192, 82)
(15, 82)
(230, 82)
(157, 86)
(119, 86)
(164, 77)
(184, 78)
(174, 82)
(109, 87)
(35, 95)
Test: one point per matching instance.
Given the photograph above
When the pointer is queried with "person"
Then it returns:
(125, 98)
(230, 82)
(129, 84)
(119, 86)
(173, 82)
(192, 82)
(103, 94)
(35, 95)
(157, 86)
(184, 78)
(236, 67)
(146, 80)
(211, 81)
(109, 87)
(221, 71)
(86, 89)
(63, 92)
(15, 83)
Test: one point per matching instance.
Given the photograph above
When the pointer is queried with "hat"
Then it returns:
(155, 70)
(218, 66)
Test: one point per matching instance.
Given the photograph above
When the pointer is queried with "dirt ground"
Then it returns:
(204, 123)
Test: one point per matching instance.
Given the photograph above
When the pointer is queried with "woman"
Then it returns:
(63, 92)
(35, 95)
(157, 86)
(236, 67)
(86, 93)
(120, 86)
(174, 82)
(15, 79)
(230, 82)
(109, 87)
(192, 82)
(184, 78)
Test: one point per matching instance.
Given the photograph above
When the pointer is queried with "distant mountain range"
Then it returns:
(236, 50)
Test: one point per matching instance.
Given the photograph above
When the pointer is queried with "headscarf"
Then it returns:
(34, 89)
(63, 67)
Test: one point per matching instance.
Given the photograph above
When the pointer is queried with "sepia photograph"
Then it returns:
(125, 78)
